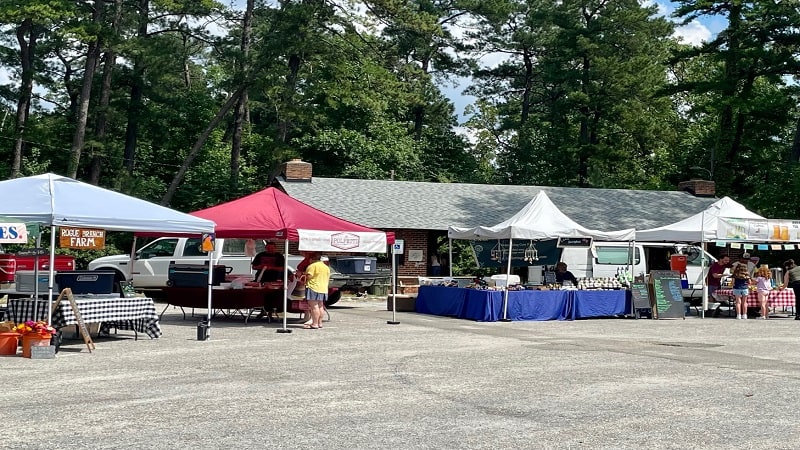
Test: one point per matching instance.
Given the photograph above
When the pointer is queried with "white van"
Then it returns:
(607, 259)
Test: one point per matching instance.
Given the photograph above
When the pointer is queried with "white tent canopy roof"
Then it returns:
(540, 219)
(699, 227)
(56, 200)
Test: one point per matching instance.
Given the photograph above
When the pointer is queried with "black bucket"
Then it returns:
(202, 330)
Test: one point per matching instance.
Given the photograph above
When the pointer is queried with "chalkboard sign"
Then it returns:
(574, 242)
(668, 299)
(640, 296)
(43, 352)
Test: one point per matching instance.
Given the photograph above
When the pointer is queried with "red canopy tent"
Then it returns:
(272, 214)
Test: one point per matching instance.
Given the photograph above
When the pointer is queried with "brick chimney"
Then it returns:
(698, 187)
(296, 170)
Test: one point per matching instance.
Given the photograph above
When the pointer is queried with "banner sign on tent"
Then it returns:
(82, 238)
(758, 230)
(332, 241)
(13, 233)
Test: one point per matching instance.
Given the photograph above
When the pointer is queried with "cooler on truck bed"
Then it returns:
(86, 281)
(357, 264)
(24, 281)
(195, 275)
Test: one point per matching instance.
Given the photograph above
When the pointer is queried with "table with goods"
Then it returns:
(602, 297)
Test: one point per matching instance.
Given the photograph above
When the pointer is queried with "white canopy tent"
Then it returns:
(540, 219)
(55, 200)
(701, 227)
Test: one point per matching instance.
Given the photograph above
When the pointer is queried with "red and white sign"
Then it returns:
(13, 233)
(336, 241)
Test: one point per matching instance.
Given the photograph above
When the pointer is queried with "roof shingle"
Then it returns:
(436, 206)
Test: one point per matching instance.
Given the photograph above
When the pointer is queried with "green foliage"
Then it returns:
(584, 94)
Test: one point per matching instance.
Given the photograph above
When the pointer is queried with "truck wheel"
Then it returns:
(333, 298)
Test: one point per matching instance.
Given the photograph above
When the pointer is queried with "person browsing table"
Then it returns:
(764, 287)
(318, 275)
(791, 279)
(741, 283)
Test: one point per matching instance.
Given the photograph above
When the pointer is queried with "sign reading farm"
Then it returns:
(82, 238)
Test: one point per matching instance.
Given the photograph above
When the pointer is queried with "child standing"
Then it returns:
(741, 281)
(764, 286)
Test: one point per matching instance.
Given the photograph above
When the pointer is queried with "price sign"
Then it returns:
(574, 242)
(668, 298)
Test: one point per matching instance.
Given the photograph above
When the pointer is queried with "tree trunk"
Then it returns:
(27, 47)
(79, 138)
(96, 166)
(288, 94)
(241, 105)
(173, 187)
(137, 93)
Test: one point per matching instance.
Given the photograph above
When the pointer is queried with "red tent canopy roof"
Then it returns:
(271, 214)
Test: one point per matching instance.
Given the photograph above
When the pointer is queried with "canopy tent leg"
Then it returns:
(52, 275)
(394, 288)
(703, 263)
(450, 255)
(508, 277)
(285, 287)
(36, 278)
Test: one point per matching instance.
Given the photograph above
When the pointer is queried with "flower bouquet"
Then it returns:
(41, 328)
(34, 334)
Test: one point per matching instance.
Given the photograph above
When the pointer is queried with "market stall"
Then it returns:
(539, 220)
(271, 214)
(57, 201)
(728, 223)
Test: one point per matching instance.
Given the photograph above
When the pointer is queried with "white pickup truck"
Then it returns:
(150, 269)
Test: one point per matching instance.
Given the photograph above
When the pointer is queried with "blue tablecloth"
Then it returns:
(601, 303)
(441, 301)
(487, 306)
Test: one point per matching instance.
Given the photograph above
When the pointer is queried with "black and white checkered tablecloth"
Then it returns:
(137, 313)
(24, 309)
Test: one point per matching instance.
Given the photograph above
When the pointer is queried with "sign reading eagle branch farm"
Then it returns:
(82, 238)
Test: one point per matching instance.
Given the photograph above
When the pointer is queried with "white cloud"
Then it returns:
(693, 33)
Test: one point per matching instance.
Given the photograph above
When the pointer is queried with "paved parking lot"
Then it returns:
(429, 382)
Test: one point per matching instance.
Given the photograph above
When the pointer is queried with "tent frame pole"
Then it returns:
(394, 320)
(52, 275)
(703, 263)
(285, 286)
(508, 277)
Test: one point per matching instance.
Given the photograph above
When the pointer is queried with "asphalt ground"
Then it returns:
(429, 382)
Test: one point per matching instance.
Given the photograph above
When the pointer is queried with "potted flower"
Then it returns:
(34, 334)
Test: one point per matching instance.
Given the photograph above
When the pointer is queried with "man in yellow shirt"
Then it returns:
(318, 275)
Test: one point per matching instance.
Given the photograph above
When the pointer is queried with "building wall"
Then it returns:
(413, 240)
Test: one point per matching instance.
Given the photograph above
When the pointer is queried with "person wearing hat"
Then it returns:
(745, 259)
(318, 276)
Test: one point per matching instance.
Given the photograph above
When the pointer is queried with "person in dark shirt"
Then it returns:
(562, 274)
(269, 265)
